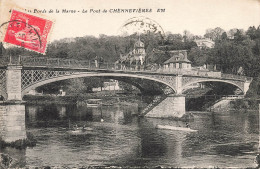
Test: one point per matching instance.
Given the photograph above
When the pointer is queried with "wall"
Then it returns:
(172, 106)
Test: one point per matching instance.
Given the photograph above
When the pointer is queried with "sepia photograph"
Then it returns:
(129, 84)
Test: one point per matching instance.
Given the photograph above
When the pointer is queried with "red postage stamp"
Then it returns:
(28, 31)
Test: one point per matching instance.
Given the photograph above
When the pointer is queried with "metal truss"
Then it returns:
(3, 83)
(30, 77)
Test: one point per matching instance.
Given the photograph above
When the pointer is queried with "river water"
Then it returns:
(227, 139)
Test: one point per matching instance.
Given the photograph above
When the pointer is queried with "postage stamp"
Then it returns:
(28, 31)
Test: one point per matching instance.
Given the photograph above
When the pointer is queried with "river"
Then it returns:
(223, 139)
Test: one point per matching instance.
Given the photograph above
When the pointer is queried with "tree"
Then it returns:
(214, 34)
(187, 36)
(126, 86)
(76, 86)
(198, 57)
(251, 32)
(93, 82)
(224, 36)
(2, 49)
(170, 38)
(232, 55)
(239, 36)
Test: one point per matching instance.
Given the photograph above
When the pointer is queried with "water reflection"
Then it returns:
(18, 157)
(223, 139)
(12, 122)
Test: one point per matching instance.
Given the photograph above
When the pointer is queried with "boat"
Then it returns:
(79, 131)
(93, 102)
(167, 127)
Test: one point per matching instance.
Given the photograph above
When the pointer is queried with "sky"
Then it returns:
(193, 15)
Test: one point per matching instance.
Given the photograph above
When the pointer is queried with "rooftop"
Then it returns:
(177, 57)
(139, 43)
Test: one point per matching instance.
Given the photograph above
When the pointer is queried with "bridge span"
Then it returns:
(19, 78)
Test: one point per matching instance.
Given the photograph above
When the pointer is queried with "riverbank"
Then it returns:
(107, 98)
(30, 141)
(245, 104)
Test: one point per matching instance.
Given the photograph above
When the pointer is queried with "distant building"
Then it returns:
(195, 85)
(178, 60)
(62, 93)
(136, 56)
(205, 43)
(139, 52)
(110, 85)
(34, 92)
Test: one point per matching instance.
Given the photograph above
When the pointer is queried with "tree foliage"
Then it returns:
(214, 34)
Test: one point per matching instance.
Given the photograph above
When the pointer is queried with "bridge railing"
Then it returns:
(4, 61)
(193, 72)
(232, 76)
(72, 63)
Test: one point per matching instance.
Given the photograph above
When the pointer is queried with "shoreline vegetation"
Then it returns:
(246, 104)
(107, 98)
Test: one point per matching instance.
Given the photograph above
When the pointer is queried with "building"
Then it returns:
(61, 92)
(205, 43)
(135, 57)
(34, 92)
(178, 60)
(139, 52)
(111, 85)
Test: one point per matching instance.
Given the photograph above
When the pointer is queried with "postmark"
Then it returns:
(142, 25)
(28, 31)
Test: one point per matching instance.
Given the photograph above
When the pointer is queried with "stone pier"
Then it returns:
(173, 106)
(13, 82)
(12, 122)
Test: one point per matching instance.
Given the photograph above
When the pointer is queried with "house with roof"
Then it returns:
(136, 56)
(178, 60)
(138, 52)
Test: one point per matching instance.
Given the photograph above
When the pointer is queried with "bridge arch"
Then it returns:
(211, 80)
(90, 74)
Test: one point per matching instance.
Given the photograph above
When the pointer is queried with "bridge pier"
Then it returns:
(12, 111)
(12, 122)
(246, 86)
(171, 107)
(13, 82)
